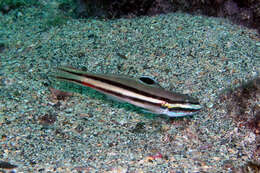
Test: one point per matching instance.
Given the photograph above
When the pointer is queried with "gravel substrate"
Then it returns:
(87, 132)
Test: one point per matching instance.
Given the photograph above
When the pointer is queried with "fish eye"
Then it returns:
(147, 80)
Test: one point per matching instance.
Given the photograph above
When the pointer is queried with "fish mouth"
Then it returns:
(181, 112)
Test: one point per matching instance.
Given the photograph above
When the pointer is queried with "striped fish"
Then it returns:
(144, 93)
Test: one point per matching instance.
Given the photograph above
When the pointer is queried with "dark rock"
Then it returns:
(230, 7)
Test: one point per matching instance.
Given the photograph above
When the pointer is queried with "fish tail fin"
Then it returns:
(69, 74)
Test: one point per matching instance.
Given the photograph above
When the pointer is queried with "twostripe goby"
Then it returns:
(144, 93)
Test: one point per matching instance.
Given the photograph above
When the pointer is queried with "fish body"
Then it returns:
(144, 93)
